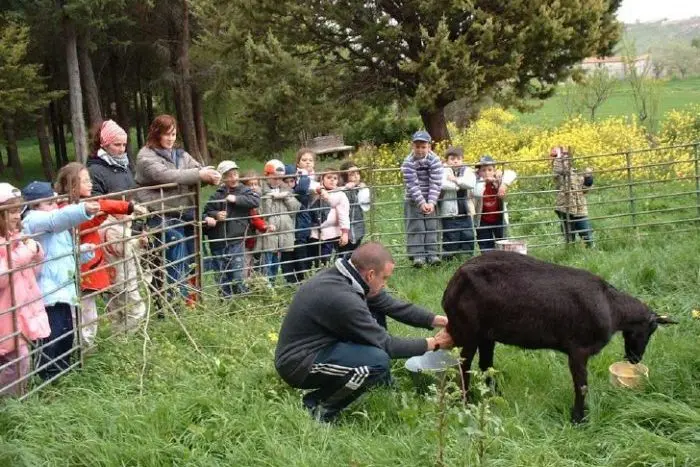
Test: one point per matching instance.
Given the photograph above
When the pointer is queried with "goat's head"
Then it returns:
(638, 334)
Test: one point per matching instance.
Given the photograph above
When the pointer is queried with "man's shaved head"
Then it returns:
(371, 256)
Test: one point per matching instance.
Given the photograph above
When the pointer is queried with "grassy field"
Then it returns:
(675, 94)
(164, 403)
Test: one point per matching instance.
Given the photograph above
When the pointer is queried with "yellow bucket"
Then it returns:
(628, 375)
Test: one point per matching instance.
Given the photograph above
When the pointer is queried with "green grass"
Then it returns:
(675, 95)
(227, 406)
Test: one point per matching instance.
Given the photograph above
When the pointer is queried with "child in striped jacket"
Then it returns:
(422, 175)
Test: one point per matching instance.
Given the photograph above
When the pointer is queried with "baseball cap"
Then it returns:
(37, 190)
(225, 166)
(421, 136)
(485, 160)
(8, 192)
(274, 167)
(290, 169)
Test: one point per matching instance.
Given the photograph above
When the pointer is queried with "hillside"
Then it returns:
(659, 33)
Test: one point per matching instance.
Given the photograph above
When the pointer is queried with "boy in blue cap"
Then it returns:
(422, 175)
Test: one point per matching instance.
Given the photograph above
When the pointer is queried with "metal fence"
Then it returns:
(163, 261)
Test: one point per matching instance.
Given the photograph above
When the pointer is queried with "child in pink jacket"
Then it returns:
(331, 214)
(24, 257)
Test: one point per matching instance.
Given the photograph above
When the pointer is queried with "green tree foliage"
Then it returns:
(435, 52)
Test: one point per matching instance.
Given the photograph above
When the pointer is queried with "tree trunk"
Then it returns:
(44, 147)
(118, 95)
(62, 139)
(11, 141)
(435, 123)
(183, 89)
(150, 116)
(92, 93)
(2, 164)
(199, 124)
(77, 119)
(138, 112)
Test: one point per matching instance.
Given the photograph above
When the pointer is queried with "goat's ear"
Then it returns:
(663, 319)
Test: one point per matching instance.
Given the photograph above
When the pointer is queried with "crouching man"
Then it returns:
(334, 339)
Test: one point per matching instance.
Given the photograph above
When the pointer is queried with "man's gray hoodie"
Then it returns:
(333, 307)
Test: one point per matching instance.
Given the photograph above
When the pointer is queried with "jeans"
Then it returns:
(421, 232)
(57, 349)
(229, 261)
(341, 373)
(270, 263)
(176, 269)
(488, 235)
(457, 236)
(576, 225)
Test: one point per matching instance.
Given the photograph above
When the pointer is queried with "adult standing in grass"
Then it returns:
(334, 338)
(109, 163)
(160, 162)
(571, 205)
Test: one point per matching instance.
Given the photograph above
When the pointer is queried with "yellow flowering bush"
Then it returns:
(601, 145)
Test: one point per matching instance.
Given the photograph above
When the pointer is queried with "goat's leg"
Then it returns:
(486, 348)
(579, 374)
(467, 354)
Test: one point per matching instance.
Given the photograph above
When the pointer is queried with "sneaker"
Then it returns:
(419, 263)
(434, 260)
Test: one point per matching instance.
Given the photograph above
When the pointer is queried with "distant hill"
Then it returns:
(648, 36)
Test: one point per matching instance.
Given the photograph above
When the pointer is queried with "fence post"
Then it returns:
(198, 247)
(633, 205)
(697, 179)
(15, 323)
(78, 328)
(372, 194)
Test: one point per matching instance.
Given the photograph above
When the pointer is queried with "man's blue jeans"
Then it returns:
(229, 261)
(340, 374)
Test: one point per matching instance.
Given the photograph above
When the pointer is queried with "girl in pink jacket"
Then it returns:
(331, 213)
(24, 318)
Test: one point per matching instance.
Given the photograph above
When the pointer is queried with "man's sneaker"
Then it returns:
(419, 263)
(434, 260)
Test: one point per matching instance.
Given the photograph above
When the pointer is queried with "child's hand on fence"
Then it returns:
(231, 198)
(210, 221)
(143, 240)
(92, 207)
(502, 190)
(451, 178)
(221, 216)
(324, 194)
(32, 244)
(140, 210)
(343, 239)
(349, 185)
(271, 228)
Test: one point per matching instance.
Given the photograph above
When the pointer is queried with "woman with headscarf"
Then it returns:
(109, 164)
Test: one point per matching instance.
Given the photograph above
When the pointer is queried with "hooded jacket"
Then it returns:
(107, 178)
(234, 228)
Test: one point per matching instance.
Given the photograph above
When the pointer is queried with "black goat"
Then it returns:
(518, 300)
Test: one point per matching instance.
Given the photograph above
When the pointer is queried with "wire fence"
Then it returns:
(188, 247)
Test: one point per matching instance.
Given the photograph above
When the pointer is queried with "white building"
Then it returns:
(616, 65)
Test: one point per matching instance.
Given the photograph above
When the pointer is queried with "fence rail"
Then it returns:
(165, 261)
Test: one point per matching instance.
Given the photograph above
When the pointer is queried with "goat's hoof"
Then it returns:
(578, 417)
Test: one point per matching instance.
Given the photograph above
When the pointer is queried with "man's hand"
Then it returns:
(211, 222)
(231, 198)
(221, 216)
(444, 340)
(440, 321)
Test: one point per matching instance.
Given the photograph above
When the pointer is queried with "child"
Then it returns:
(258, 224)
(457, 226)
(491, 210)
(226, 216)
(422, 175)
(57, 277)
(20, 297)
(306, 188)
(571, 205)
(359, 197)
(74, 180)
(332, 216)
(125, 307)
(279, 208)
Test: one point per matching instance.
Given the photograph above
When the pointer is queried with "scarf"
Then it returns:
(121, 160)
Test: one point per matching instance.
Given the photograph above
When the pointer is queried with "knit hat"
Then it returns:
(8, 192)
(225, 166)
(111, 132)
(274, 167)
(37, 190)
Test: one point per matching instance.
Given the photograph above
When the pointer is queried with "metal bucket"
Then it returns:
(427, 368)
(519, 246)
